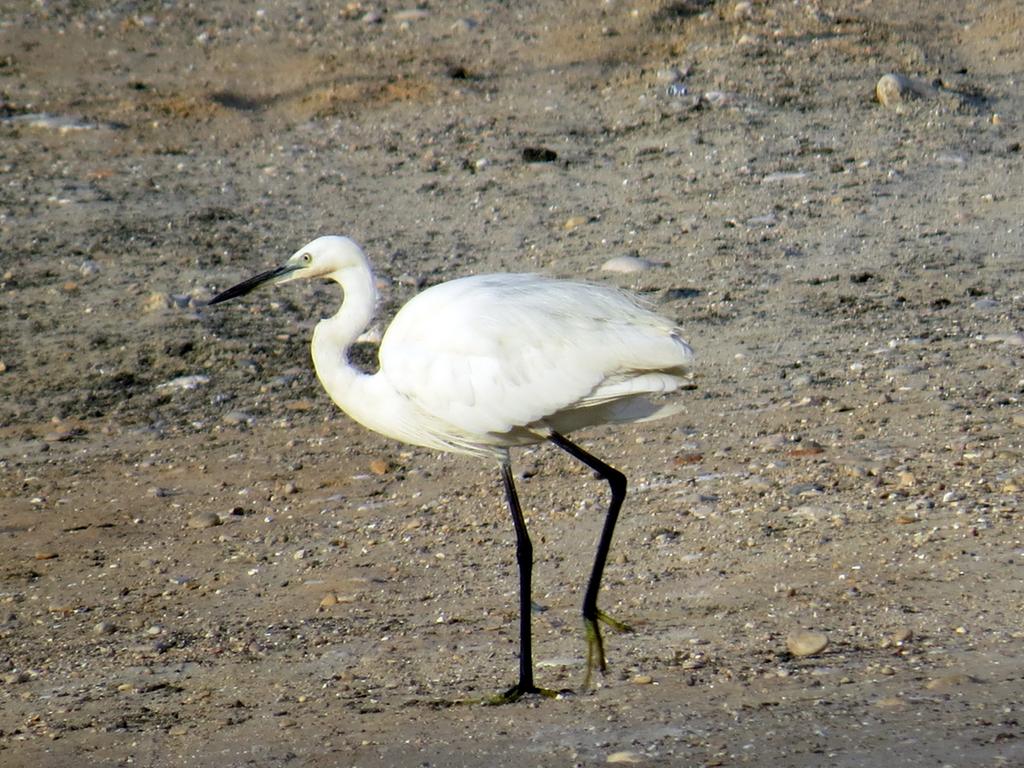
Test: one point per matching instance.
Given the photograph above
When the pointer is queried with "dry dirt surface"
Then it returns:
(203, 563)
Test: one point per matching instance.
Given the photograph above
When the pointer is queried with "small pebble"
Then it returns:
(784, 176)
(681, 99)
(898, 638)
(204, 520)
(411, 14)
(893, 89)
(907, 479)
(235, 418)
(329, 601)
(624, 757)
(642, 680)
(46, 555)
(539, 155)
(574, 222)
(379, 466)
(626, 264)
(185, 382)
(805, 643)
(902, 635)
(14, 678)
(104, 628)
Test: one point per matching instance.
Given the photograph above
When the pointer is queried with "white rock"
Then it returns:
(235, 418)
(59, 123)
(773, 178)
(805, 643)
(411, 14)
(89, 268)
(626, 264)
(185, 382)
(624, 757)
(893, 89)
(204, 520)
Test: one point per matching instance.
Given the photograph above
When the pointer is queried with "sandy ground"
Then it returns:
(202, 563)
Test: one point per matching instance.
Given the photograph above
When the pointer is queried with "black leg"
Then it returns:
(591, 613)
(524, 558)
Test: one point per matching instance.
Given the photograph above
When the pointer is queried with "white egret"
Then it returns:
(481, 364)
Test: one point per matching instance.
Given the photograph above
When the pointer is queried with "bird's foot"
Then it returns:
(595, 642)
(618, 626)
(520, 691)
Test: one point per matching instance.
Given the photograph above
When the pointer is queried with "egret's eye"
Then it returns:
(306, 259)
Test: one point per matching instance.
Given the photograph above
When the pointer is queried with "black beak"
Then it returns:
(247, 286)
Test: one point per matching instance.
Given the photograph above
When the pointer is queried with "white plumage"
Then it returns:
(481, 364)
(494, 361)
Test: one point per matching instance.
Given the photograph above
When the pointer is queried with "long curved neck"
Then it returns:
(333, 336)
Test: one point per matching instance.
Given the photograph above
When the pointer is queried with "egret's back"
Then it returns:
(495, 358)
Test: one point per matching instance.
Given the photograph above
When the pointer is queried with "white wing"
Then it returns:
(487, 354)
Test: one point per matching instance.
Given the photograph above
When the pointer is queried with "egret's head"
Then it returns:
(323, 257)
